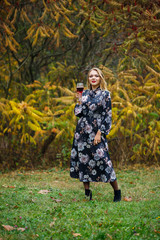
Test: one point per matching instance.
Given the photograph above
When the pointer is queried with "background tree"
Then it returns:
(58, 42)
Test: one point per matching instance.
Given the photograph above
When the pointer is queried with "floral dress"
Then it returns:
(89, 162)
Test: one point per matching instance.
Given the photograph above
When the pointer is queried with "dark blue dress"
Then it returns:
(89, 162)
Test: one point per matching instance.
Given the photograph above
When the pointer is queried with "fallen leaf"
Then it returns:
(8, 186)
(156, 231)
(21, 229)
(152, 192)
(56, 200)
(76, 234)
(43, 191)
(8, 227)
(127, 199)
(52, 224)
(60, 194)
(15, 206)
(74, 199)
(106, 211)
(136, 234)
(131, 182)
(109, 236)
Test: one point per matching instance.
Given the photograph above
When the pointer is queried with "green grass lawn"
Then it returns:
(63, 213)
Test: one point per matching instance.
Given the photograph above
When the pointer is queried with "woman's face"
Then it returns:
(94, 79)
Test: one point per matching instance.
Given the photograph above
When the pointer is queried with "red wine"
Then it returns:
(80, 89)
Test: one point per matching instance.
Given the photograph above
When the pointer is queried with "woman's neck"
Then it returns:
(95, 87)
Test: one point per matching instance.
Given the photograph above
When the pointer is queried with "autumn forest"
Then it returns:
(47, 46)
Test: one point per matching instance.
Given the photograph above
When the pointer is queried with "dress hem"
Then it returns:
(94, 181)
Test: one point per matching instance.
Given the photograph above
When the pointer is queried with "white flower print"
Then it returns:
(108, 170)
(86, 176)
(102, 128)
(80, 146)
(92, 135)
(96, 157)
(106, 145)
(99, 122)
(84, 98)
(92, 163)
(84, 158)
(110, 113)
(88, 146)
(77, 135)
(88, 128)
(98, 163)
(80, 175)
(78, 110)
(100, 98)
(109, 163)
(94, 172)
(90, 141)
(101, 168)
(79, 154)
(73, 164)
(104, 103)
(100, 152)
(75, 143)
(103, 178)
(107, 120)
(73, 153)
(92, 107)
(76, 168)
(72, 169)
(113, 175)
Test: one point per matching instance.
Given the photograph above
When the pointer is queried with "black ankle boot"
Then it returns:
(117, 196)
(88, 194)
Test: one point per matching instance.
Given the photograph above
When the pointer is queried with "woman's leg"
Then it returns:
(114, 185)
(86, 185)
(117, 191)
(88, 192)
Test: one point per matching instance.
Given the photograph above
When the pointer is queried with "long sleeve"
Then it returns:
(78, 110)
(106, 114)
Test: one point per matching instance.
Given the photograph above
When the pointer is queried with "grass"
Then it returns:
(42, 217)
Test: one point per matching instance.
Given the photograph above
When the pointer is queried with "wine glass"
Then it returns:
(80, 88)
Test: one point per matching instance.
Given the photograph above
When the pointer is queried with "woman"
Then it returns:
(90, 161)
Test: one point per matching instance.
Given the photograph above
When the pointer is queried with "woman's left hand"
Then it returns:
(97, 138)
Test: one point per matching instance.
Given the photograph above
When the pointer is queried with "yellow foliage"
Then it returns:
(60, 134)
(33, 126)
(68, 33)
(7, 3)
(35, 37)
(15, 16)
(25, 16)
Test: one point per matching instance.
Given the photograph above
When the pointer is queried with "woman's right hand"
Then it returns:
(79, 97)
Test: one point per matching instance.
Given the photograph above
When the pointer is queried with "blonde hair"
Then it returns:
(103, 84)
